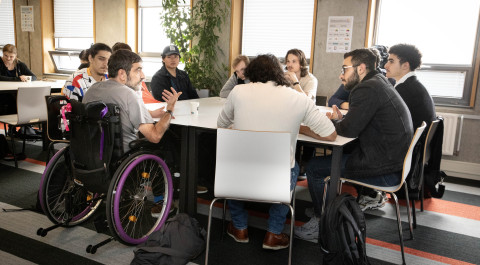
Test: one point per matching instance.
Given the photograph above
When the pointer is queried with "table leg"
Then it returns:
(335, 173)
(191, 207)
(184, 195)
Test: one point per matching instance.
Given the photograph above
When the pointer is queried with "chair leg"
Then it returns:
(422, 196)
(209, 229)
(13, 146)
(223, 218)
(399, 221)
(409, 211)
(292, 222)
(414, 215)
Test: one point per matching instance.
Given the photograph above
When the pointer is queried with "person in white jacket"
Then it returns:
(268, 103)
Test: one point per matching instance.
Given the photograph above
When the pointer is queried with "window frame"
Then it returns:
(470, 85)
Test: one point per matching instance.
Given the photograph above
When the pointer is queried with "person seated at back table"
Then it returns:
(297, 73)
(11, 68)
(83, 56)
(380, 120)
(79, 82)
(143, 93)
(239, 64)
(170, 76)
(268, 103)
(305, 83)
(340, 98)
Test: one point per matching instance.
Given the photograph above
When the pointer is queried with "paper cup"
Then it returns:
(194, 107)
(29, 78)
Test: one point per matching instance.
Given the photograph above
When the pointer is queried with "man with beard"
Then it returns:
(380, 120)
(126, 76)
(79, 82)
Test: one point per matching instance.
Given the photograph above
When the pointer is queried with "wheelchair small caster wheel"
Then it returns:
(91, 249)
(41, 232)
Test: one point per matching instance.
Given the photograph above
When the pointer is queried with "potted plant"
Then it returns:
(195, 32)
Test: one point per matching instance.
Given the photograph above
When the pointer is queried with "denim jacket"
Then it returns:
(380, 119)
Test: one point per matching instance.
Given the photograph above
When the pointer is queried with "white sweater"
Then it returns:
(266, 107)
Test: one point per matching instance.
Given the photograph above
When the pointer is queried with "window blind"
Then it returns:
(73, 19)
(285, 26)
(7, 26)
(158, 3)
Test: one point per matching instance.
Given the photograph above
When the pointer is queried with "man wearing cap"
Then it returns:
(170, 76)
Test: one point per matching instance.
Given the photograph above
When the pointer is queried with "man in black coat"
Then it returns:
(401, 65)
(380, 120)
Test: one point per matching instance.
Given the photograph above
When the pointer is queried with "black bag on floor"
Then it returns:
(178, 241)
(342, 236)
(4, 149)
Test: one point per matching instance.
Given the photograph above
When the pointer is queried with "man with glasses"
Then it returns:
(380, 120)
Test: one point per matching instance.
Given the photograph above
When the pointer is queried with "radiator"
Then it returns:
(450, 132)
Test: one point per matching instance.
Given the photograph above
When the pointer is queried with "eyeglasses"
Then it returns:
(346, 67)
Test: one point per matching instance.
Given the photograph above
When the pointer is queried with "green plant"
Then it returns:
(196, 35)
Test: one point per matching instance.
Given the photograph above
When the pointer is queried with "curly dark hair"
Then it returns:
(407, 53)
(95, 48)
(264, 68)
(302, 59)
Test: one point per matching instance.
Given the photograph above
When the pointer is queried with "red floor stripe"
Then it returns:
(33, 161)
(415, 252)
(430, 204)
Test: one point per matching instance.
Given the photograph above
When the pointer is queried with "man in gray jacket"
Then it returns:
(380, 120)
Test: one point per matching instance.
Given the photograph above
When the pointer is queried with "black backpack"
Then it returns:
(180, 240)
(342, 236)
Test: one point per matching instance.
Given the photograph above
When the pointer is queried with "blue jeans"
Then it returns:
(319, 168)
(278, 212)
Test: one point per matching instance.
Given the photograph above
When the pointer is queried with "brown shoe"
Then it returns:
(240, 236)
(276, 242)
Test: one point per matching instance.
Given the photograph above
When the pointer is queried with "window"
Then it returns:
(7, 26)
(447, 39)
(151, 36)
(73, 22)
(285, 26)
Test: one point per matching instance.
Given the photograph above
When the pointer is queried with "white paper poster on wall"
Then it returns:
(339, 35)
(27, 18)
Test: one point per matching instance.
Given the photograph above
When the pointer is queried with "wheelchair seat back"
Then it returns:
(56, 105)
(95, 142)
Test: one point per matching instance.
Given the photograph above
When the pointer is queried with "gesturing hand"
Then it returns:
(170, 97)
(335, 114)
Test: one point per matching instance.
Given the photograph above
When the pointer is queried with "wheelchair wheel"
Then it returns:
(63, 200)
(139, 197)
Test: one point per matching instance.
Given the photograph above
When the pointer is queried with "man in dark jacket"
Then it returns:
(170, 76)
(380, 120)
(401, 65)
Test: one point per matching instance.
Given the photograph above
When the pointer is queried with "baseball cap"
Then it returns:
(170, 49)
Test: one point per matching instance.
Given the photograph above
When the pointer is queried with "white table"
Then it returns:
(8, 86)
(206, 120)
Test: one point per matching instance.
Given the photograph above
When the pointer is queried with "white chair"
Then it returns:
(31, 109)
(392, 189)
(253, 166)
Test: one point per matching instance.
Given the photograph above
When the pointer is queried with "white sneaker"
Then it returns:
(369, 203)
(308, 231)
